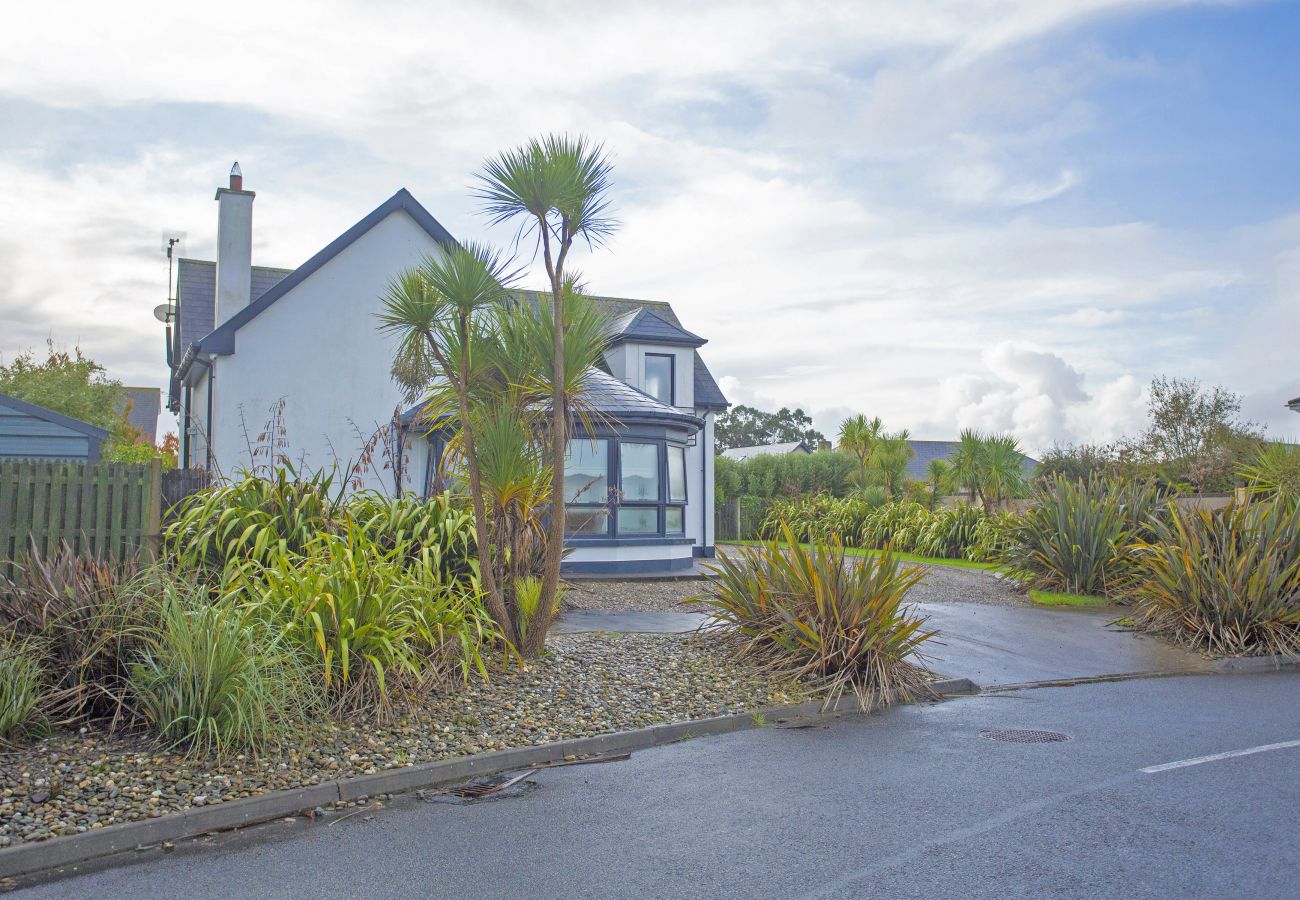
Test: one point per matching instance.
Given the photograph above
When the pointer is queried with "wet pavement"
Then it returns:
(990, 645)
(994, 645)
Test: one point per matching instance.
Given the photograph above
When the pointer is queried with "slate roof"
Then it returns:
(743, 453)
(930, 450)
(146, 403)
(196, 285)
(645, 325)
(196, 280)
(56, 418)
(623, 309)
(1294, 405)
(618, 400)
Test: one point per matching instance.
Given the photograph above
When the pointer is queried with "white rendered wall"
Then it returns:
(318, 348)
(627, 362)
(629, 553)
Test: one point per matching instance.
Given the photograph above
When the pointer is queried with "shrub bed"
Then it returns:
(863, 521)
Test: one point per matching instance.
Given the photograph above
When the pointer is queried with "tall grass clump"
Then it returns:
(21, 690)
(86, 618)
(808, 614)
(213, 683)
(1075, 535)
(368, 617)
(1226, 581)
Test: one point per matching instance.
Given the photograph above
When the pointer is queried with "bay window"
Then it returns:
(624, 488)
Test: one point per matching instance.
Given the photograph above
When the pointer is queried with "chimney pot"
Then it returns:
(236, 177)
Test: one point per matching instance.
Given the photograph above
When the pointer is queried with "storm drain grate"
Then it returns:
(1023, 736)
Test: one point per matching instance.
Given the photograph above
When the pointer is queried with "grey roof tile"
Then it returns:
(646, 325)
(930, 450)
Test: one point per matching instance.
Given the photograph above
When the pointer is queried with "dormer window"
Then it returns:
(659, 377)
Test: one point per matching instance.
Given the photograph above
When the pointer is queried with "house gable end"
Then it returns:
(222, 340)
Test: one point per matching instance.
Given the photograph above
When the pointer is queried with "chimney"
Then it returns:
(234, 246)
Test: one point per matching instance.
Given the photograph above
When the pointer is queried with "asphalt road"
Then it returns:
(910, 803)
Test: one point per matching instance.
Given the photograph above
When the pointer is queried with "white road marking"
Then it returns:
(1215, 757)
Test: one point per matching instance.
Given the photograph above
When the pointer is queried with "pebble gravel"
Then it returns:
(941, 584)
(586, 684)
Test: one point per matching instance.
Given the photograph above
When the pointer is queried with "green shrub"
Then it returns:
(1226, 581)
(21, 690)
(213, 683)
(87, 617)
(865, 520)
(789, 475)
(369, 617)
(255, 518)
(1075, 536)
(990, 539)
(437, 526)
(810, 614)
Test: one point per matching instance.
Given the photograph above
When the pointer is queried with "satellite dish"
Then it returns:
(162, 312)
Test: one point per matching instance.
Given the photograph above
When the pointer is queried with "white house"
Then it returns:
(299, 348)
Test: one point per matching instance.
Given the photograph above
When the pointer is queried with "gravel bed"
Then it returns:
(950, 584)
(941, 584)
(634, 596)
(587, 684)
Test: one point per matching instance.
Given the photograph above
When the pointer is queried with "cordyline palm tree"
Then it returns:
(860, 437)
(556, 187)
(483, 365)
(965, 462)
(893, 453)
(441, 312)
(1001, 470)
(939, 475)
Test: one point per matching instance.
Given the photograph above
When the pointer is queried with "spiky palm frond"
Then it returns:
(560, 180)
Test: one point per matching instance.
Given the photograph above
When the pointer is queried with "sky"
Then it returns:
(1000, 214)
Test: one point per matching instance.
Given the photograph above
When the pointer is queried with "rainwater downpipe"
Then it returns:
(207, 428)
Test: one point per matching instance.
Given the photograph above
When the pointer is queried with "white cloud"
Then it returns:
(855, 202)
(1039, 397)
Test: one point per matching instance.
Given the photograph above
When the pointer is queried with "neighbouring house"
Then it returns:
(924, 452)
(743, 453)
(293, 358)
(142, 406)
(28, 431)
(1294, 405)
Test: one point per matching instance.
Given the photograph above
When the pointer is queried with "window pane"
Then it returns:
(638, 520)
(586, 471)
(677, 473)
(659, 377)
(674, 519)
(586, 521)
(640, 471)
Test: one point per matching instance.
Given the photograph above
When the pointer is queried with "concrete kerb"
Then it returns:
(33, 858)
(1255, 663)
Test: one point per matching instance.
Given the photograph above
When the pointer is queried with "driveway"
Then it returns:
(1137, 801)
(988, 631)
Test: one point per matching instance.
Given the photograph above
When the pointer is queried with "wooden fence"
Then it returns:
(108, 510)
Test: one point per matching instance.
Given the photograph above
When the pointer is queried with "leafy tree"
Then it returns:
(1195, 434)
(1075, 461)
(745, 426)
(789, 475)
(67, 383)
(78, 387)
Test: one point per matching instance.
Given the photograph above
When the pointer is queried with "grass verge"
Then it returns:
(1051, 598)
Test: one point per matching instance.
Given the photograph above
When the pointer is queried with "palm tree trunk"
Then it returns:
(536, 638)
